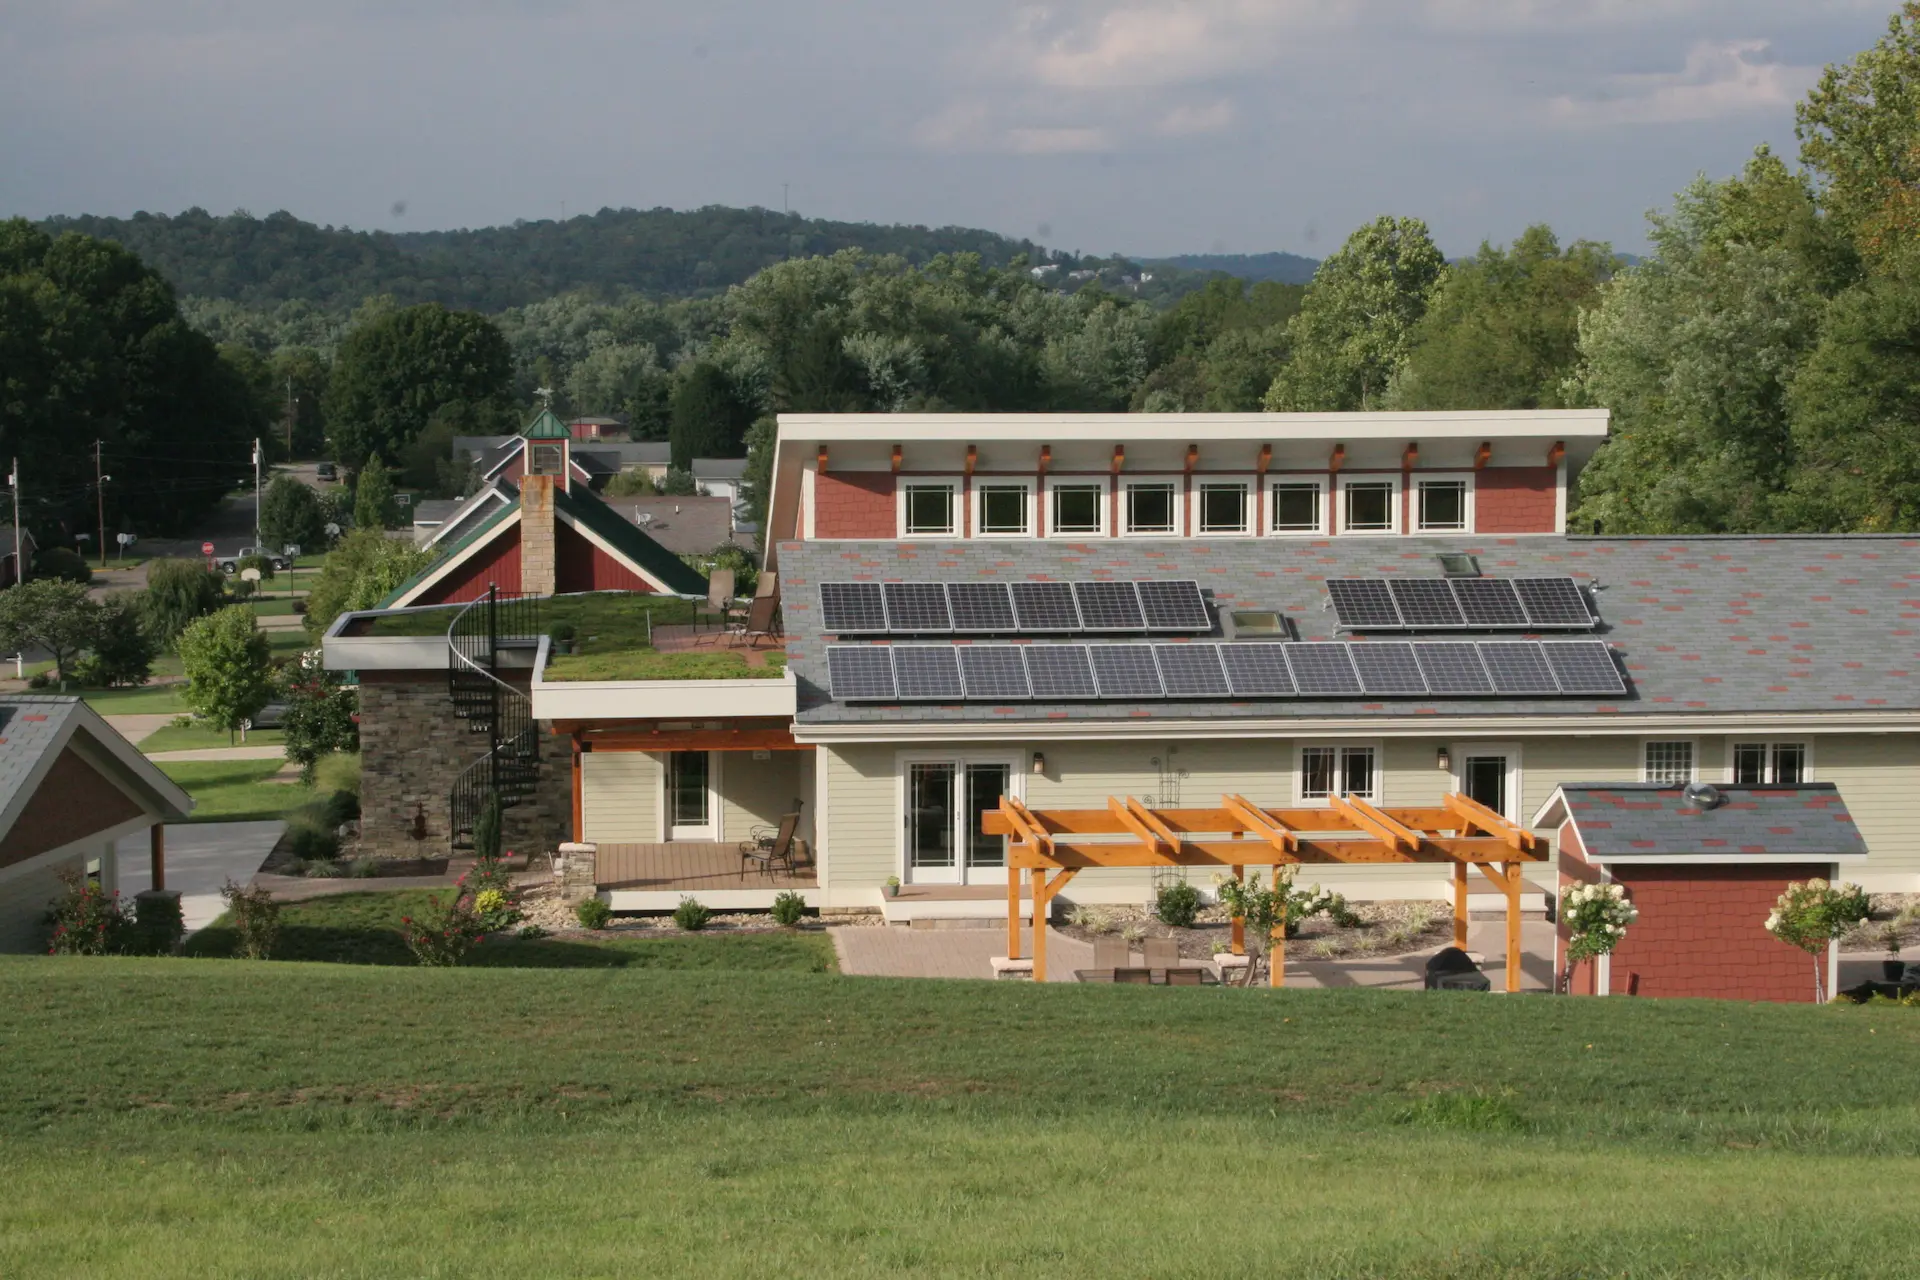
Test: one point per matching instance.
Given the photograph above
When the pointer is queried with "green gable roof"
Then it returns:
(547, 427)
(589, 510)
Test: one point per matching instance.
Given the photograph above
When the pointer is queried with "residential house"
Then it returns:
(613, 427)
(1067, 610)
(10, 559)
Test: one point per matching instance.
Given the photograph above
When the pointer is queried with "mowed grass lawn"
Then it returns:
(222, 1118)
(236, 790)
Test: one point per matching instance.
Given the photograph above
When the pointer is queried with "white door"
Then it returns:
(943, 803)
(690, 799)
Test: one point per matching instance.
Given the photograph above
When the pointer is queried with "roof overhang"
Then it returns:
(87, 732)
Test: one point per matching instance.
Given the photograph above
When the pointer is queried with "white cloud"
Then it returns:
(1187, 121)
(1719, 81)
(1057, 141)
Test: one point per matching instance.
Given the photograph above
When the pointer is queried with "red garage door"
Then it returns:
(1702, 932)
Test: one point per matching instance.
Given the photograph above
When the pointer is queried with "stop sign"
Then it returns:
(206, 548)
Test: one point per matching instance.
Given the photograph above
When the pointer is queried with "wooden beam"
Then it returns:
(1460, 905)
(1074, 851)
(1483, 455)
(1319, 821)
(1556, 453)
(1119, 458)
(1410, 456)
(1013, 914)
(896, 459)
(697, 740)
(1257, 822)
(1338, 460)
(1390, 831)
(973, 458)
(1021, 825)
(822, 460)
(1277, 951)
(1475, 814)
(1046, 458)
(1123, 809)
(1039, 925)
(1513, 926)
(579, 809)
(1239, 922)
(1193, 458)
(157, 853)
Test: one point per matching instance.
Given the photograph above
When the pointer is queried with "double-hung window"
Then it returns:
(927, 508)
(1299, 506)
(1224, 507)
(1367, 506)
(1152, 508)
(1668, 761)
(1764, 763)
(1338, 769)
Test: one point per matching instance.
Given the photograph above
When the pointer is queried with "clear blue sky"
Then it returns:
(1146, 126)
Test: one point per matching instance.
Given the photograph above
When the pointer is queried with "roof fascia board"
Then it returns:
(885, 428)
(454, 561)
(105, 748)
(1720, 859)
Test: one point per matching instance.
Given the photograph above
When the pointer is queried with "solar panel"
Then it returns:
(851, 608)
(1426, 602)
(1257, 670)
(1174, 604)
(1060, 671)
(980, 607)
(1191, 670)
(1387, 666)
(1125, 671)
(1322, 669)
(860, 672)
(1109, 606)
(917, 607)
(1583, 666)
(1359, 603)
(925, 672)
(1045, 606)
(1517, 666)
(994, 672)
(1489, 602)
(1553, 602)
(1452, 668)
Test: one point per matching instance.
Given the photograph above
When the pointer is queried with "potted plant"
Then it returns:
(1893, 968)
(893, 886)
(561, 635)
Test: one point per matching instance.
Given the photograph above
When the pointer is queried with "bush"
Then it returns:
(364, 868)
(244, 563)
(561, 633)
(443, 933)
(158, 925)
(40, 680)
(496, 910)
(788, 909)
(123, 648)
(86, 919)
(487, 874)
(1341, 912)
(310, 841)
(592, 913)
(63, 563)
(338, 772)
(1177, 904)
(486, 829)
(256, 920)
(691, 915)
(338, 809)
(324, 869)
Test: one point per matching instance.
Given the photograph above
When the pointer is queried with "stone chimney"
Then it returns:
(537, 570)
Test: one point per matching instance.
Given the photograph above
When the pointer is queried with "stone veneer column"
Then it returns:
(537, 569)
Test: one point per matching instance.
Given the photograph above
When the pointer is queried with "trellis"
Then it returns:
(1052, 846)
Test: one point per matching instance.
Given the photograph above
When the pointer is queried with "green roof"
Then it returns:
(547, 427)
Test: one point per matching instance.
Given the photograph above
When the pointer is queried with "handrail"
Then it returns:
(481, 696)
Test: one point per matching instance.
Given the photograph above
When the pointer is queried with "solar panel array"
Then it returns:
(1460, 604)
(1142, 671)
(1001, 608)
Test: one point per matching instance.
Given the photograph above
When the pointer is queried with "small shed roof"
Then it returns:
(1658, 821)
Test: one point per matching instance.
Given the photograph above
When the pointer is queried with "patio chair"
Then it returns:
(1163, 956)
(756, 622)
(1133, 976)
(770, 847)
(719, 596)
(1110, 954)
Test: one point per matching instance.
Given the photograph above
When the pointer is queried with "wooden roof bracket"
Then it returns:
(1483, 455)
(1046, 458)
(1389, 831)
(1410, 456)
(1119, 458)
(1555, 454)
(1193, 458)
(822, 461)
(896, 459)
(1265, 461)
(1338, 460)
(973, 457)
(1474, 814)
(1260, 823)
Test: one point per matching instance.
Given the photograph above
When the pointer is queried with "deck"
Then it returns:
(690, 866)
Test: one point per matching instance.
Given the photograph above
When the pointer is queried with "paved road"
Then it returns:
(201, 857)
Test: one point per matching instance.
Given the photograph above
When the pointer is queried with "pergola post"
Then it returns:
(1039, 924)
(1013, 914)
(1512, 870)
(1460, 905)
(1239, 922)
(157, 853)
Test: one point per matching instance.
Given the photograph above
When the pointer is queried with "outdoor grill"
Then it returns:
(1452, 969)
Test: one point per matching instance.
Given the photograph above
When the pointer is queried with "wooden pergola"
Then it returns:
(1054, 845)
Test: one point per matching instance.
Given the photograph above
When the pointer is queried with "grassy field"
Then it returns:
(150, 699)
(236, 790)
(197, 736)
(221, 1118)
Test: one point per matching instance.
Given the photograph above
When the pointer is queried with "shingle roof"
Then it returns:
(34, 726)
(1704, 625)
(1651, 819)
(684, 526)
(590, 510)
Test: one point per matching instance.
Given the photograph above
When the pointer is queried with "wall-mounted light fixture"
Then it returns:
(1443, 759)
(1039, 763)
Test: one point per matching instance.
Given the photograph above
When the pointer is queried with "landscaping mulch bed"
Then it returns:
(1385, 929)
(1901, 910)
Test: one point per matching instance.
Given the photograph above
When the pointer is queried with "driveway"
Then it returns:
(201, 857)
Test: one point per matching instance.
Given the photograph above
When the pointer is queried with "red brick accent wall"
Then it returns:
(73, 801)
(582, 566)
(498, 562)
(853, 504)
(1701, 932)
(1514, 500)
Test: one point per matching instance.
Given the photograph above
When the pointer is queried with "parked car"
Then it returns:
(230, 565)
(271, 716)
(326, 471)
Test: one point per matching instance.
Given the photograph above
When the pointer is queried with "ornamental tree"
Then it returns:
(229, 667)
(1596, 917)
(1811, 915)
(56, 617)
(1263, 909)
(322, 713)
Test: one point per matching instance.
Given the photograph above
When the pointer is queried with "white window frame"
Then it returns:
(1461, 478)
(1693, 749)
(1319, 486)
(978, 501)
(954, 508)
(1457, 760)
(1179, 511)
(1770, 743)
(1300, 749)
(1016, 779)
(1100, 483)
(1249, 505)
(1392, 482)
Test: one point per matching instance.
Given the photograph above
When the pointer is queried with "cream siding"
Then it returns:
(1877, 776)
(860, 845)
(755, 793)
(620, 796)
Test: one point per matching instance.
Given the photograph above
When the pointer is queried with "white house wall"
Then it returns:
(619, 797)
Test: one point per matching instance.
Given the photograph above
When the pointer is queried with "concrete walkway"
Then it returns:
(201, 857)
(220, 753)
(900, 952)
(136, 728)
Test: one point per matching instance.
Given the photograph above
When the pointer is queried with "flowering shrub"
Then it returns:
(1811, 915)
(87, 920)
(496, 910)
(1262, 908)
(1596, 917)
(256, 920)
(444, 932)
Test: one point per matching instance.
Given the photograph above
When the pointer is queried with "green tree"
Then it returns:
(302, 372)
(122, 649)
(1503, 331)
(709, 418)
(320, 716)
(359, 573)
(756, 485)
(373, 506)
(393, 373)
(58, 618)
(290, 513)
(634, 483)
(1356, 321)
(1859, 132)
(229, 667)
(178, 591)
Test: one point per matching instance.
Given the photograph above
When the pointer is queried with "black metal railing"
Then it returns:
(510, 767)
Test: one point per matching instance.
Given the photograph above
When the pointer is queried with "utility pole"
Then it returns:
(100, 502)
(256, 494)
(19, 552)
(292, 405)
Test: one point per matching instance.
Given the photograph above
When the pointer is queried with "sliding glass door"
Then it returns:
(943, 803)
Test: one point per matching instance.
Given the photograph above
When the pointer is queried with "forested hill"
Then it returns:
(1282, 268)
(261, 262)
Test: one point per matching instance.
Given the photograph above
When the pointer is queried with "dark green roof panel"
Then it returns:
(547, 427)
